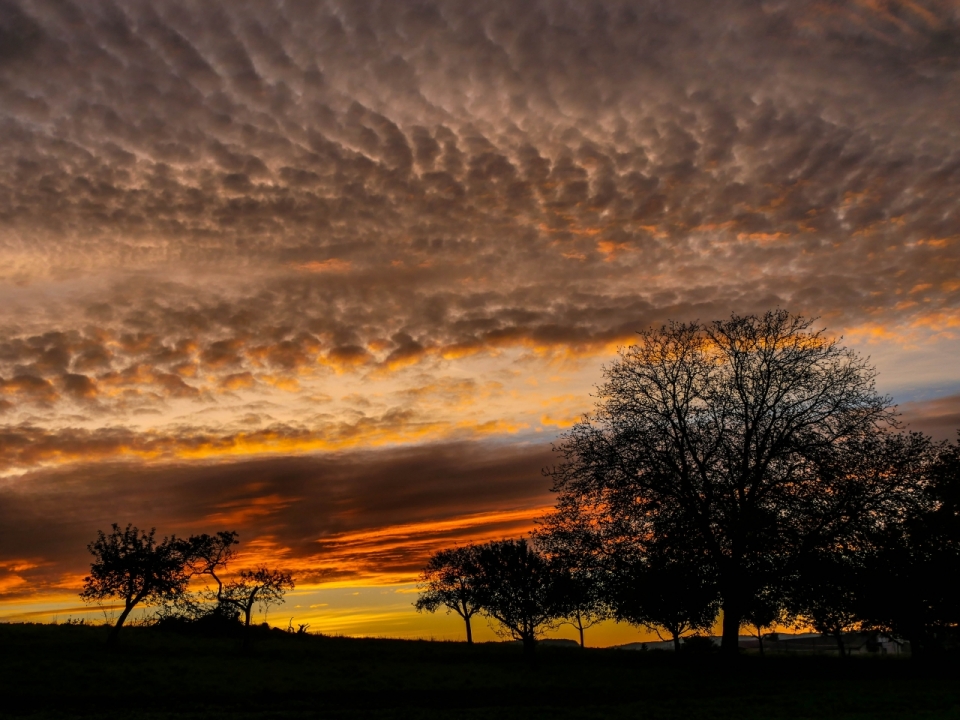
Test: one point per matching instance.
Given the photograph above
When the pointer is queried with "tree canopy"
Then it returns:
(448, 581)
(250, 588)
(515, 586)
(725, 435)
(911, 561)
(131, 566)
(664, 590)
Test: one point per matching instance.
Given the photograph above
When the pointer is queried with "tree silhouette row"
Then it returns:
(745, 468)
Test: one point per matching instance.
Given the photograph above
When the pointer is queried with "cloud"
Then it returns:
(938, 417)
(359, 515)
(281, 228)
(27, 446)
(278, 190)
(30, 389)
(233, 136)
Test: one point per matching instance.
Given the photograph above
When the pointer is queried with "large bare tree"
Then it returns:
(722, 435)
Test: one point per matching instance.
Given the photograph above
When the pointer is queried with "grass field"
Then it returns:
(65, 671)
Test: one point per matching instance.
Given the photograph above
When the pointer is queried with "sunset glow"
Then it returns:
(335, 275)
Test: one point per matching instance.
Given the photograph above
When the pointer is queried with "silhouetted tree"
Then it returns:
(131, 566)
(720, 430)
(913, 560)
(579, 599)
(262, 586)
(580, 572)
(210, 554)
(205, 555)
(448, 581)
(515, 586)
(825, 594)
(670, 590)
(766, 609)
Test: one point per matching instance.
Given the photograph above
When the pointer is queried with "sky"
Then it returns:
(336, 275)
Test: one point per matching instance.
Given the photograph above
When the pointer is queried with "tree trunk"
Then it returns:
(246, 626)
(529, 645)
(466, 619)
(760, 641)
(731, 590)
(923, 644)
(676, 642)
(115, 630)
(840, 646)
(730, 640)
(917, 646)
(581, 636)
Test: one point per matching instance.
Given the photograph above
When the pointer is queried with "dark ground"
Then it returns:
(65, 671)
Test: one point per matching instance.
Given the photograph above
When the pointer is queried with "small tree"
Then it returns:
(262, 586)
(665, 591)
(766, 609)
(825, 595)
(914, 560)
(205, 556)
(448, 581)
(515, 586)
(578, 557)
(211, 553)
(132, 566)
(579, 599)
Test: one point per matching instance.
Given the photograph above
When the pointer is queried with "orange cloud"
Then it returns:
(243, 511)
(29, 388)
(10, 583)
(362, 556)
(610, 249)
(348, 357)
(281, 382)
(28, 446)
(467, 524)
(238, 381)
(563, 422)
(333, 265)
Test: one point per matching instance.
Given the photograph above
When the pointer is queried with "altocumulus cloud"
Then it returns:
(459, 175)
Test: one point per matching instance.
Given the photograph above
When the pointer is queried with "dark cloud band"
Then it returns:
(353, 515)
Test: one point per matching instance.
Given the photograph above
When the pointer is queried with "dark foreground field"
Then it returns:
(65, 671)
